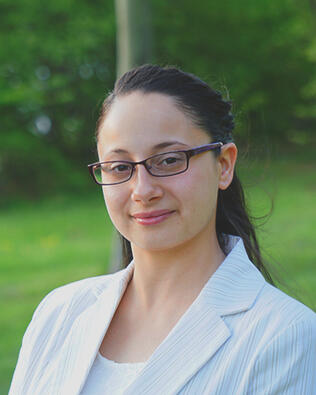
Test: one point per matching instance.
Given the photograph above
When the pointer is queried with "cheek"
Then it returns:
(199, 194)
(115, 202)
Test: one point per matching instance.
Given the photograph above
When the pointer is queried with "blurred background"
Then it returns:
(59, 59)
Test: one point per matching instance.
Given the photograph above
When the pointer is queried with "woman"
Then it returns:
(192, 312)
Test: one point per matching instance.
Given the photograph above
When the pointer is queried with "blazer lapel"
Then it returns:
(191, 343)
(201, 331)
(67, 374)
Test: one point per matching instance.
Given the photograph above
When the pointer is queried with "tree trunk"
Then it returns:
(133, 34)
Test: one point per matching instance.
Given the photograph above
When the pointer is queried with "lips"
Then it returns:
(153, 217)
(151, 214)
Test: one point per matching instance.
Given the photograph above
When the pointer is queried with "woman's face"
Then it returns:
(135, 124)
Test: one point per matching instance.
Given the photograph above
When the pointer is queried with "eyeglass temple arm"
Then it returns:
(199, 150)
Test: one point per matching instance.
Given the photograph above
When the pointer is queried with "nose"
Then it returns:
(145, 187)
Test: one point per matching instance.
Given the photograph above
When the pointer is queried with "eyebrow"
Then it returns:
(154, 148)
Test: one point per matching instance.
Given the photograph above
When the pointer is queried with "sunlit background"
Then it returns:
(57, 62)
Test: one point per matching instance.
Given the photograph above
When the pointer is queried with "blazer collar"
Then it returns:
(196, 337)
(236, 283)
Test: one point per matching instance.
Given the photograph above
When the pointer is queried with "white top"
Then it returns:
(110, 377)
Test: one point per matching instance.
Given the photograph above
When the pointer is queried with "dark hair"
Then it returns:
(210, 112)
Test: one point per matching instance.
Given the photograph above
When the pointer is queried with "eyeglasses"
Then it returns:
(161, 165)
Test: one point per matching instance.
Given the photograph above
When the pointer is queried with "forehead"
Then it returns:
(138, 121)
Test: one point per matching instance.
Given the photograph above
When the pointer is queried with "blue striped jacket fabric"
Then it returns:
(240, 336)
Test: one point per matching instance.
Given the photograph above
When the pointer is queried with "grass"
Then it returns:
(52, 242)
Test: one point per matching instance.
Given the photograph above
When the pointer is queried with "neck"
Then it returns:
(174, 276)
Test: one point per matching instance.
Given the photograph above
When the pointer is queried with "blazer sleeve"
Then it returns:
(287, 365)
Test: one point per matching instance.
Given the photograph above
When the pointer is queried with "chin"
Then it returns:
(152, 246)
(155, 244)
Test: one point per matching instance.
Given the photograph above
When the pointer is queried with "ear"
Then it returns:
(227, 160)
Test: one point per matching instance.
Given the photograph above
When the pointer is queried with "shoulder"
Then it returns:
(284, 310)
(285, 356)
(65, 303)
(272, 315)
(277, 317)
(60, 308)
(83, 292)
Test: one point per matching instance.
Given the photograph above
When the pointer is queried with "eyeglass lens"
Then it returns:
(167, 164)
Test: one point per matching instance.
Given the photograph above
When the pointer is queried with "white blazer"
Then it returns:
(240, 336)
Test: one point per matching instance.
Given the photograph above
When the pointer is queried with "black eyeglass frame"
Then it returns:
(189, 153)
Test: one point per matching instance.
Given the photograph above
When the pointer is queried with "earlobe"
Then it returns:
(227, 160)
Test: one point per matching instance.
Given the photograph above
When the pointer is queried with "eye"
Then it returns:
(170, 160)
(116, 167)
(120, 168)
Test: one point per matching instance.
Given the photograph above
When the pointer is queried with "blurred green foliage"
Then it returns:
(264, 52)
(57, 61)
